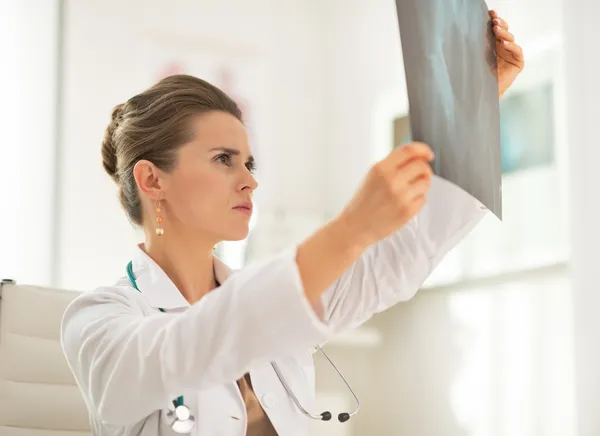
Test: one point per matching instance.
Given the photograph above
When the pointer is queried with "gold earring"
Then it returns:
(159, 220)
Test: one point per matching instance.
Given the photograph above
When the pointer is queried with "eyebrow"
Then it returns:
(232, 151)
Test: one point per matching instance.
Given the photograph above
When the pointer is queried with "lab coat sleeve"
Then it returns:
(129, 364)
(393, 269)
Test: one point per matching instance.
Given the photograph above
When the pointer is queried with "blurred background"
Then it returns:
(487, 347)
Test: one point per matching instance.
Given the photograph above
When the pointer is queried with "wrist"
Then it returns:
(350, 236)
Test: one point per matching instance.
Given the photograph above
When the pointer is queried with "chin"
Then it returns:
(238, 235)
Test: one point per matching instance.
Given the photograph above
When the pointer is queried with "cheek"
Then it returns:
(197, 196)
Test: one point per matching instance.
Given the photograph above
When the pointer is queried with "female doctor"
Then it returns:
(183, 345)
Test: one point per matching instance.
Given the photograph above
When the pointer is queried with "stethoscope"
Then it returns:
(182, 420)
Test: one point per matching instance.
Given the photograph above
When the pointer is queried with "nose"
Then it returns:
(248, 182)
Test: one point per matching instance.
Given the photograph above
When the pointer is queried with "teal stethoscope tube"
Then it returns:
(179, 400)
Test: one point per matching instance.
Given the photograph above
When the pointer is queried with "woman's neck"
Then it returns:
(188, 261)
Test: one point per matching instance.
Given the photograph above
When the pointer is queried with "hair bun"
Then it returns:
(109, 149)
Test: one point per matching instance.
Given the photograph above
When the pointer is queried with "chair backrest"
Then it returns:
(38, 395)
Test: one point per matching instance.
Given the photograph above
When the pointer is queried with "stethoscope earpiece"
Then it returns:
(325, 416)
(343, 417)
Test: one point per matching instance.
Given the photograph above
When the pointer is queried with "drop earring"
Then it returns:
(159, 220)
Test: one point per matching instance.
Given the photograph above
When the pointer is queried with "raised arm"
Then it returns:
(394, 269)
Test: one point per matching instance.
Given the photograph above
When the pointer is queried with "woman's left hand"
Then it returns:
(509, 54)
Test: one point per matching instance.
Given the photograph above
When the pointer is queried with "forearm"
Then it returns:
(324, 256)
(393, 269)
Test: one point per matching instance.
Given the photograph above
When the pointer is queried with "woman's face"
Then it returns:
(210, 190)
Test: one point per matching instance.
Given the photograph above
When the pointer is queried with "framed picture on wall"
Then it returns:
(527, 134)
(401, 127)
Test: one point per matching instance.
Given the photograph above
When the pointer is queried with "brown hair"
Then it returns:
(152, 126)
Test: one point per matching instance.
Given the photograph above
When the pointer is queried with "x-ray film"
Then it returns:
(449, 51)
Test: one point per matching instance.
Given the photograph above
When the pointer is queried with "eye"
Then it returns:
(251, 166)
(224, 158)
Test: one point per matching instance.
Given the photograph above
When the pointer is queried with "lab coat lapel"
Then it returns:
(158, 288)
(154, 283)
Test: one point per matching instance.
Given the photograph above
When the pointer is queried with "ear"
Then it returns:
(149, 178)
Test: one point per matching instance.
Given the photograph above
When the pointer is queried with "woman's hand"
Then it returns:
(509, 54)
(391, 194)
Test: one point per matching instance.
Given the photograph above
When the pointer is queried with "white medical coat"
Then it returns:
(130, 360)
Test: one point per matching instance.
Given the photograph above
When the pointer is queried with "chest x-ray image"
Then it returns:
(449, 54)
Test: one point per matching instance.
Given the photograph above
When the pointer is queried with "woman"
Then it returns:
(180, 327)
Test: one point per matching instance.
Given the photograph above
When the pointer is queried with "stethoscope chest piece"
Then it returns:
(182, 420)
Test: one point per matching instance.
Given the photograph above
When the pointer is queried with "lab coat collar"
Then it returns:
(158, 288)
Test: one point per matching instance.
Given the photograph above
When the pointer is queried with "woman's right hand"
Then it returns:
(391, 194)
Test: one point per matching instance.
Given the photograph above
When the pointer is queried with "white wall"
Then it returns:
(29, 47)
(582, 70)
(107, 61)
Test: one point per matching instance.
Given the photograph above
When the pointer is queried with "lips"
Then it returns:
(244, 207)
